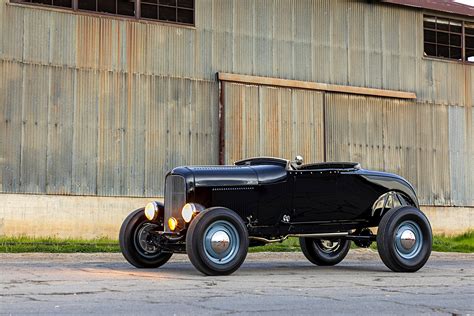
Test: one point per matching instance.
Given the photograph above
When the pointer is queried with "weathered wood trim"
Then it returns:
(245, 79)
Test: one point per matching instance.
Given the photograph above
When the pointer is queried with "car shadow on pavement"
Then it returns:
(253, 268)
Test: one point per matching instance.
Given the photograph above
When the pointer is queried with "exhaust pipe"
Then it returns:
(316, 235)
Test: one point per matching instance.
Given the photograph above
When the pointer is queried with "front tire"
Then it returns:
(323, 252)
(135, 242)
(217, 241)
(404, 239)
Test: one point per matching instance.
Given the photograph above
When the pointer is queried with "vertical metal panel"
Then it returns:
(373, 46)
(283, 39)
(222, 25)
(302, 40)
(410, 48)
(11, 94)
(60, 122)
(134, 141)
(62, 30)
(458, 146)
(181, 127)
(354, 130)
(470, 156)
(263, 50)
(112, 132)
(11, 32)
(87, 37)
(243, 36)
(34, 130)
(268, 121)
(356, 44)
(36, 36)
(339, 55)
(85, 133)
(321, 41)
(391, 49)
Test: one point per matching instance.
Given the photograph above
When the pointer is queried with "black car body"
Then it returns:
(273, 199)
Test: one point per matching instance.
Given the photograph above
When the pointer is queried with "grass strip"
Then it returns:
(57, 245)
(461, 243)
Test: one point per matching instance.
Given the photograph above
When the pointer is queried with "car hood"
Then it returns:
(217, 176)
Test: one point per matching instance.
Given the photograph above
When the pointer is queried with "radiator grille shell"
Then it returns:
(175, 198)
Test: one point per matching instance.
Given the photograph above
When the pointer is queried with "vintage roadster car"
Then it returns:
(214, 213)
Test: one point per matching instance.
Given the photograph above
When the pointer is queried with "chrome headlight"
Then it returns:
(189, 210)
(151, 211)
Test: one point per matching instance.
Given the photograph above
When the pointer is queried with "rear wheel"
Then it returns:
(217, 241)
(324, 252)
(404, 239)
(136, 242)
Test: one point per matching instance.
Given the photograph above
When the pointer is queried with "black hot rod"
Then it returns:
(214, 213)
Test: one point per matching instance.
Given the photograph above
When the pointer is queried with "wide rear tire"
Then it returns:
(404, 239)
(217, 241)
(133, 242)
(324, 252)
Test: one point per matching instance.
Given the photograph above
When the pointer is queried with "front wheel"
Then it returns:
(217, 241)
(404, 239)
(324, 252)
(136, 242)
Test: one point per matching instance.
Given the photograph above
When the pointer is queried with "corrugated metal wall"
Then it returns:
(349, 42)
(276, 122)
(101, 105)
(408, 138)
(423, 142)
(69, 131)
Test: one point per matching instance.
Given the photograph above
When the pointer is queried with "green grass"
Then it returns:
(461, 243)
(289, 245)
(57, 245)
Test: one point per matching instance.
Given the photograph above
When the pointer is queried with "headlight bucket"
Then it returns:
(189, 210)
(151, 211)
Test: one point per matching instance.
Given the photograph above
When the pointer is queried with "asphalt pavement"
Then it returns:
(266, 284)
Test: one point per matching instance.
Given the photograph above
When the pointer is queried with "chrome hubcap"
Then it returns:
(408, 239)
(221, 242)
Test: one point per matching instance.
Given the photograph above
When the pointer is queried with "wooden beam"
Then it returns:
(267, 81)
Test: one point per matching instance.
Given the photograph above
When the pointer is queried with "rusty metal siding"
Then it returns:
(425, 143)
(34, 130)
(85, 132)
(101, 105)
(342, 42)
(99, 132)
(11, 97)
(268, 121)
(60, 131)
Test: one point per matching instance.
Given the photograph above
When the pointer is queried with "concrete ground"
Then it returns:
(267, 283)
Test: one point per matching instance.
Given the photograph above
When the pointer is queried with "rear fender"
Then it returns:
(390, 200)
